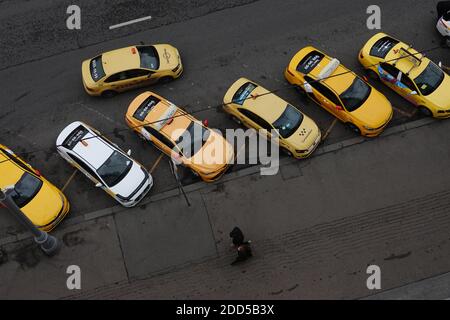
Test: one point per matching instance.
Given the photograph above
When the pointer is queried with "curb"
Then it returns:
(322, 150)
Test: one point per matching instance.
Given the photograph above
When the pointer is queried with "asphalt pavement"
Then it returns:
(41, 93)
(312, 237)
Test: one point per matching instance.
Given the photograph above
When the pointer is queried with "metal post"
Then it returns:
(46, 242)
(174, 168)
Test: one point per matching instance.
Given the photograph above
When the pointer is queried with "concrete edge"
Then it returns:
(322, 150)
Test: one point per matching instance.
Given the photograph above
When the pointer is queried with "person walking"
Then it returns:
(243, 248)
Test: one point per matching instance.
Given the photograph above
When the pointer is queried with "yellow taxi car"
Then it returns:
(39, 200)
(250, 104)
(409, 73)
(180, 136)
(339, 91)
(127, 68)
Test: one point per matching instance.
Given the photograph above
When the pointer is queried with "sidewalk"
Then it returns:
(315, 228)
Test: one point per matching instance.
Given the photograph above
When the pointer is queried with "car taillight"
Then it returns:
(361, 55)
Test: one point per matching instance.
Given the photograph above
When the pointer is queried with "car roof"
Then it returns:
(121, 60)
(160, 111)
(406, 65)
(339, 80)
(267, 105)
(91, 148)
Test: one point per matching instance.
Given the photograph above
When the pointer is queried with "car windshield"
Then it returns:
(288, 122)
(430, 79)
(149, 57)
(356, 95)
(193, 139)
(26, 189)
(115, 169)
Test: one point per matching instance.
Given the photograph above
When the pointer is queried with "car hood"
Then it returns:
(215, 154)
(306, 134)
(130, 182)
(375, 111)
(45, 206)
(169, 57)
(441, 96)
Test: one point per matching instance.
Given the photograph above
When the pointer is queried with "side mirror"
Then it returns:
(98, 185)
(205, 123)
(129, 152)
(413, 93)
(440, 64)
(308, 87)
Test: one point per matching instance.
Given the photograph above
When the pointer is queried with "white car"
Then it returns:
(104, 163)
(443, 25)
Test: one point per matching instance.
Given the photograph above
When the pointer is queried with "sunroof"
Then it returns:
(144, 109)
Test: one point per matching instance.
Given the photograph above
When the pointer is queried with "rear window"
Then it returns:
(149, 57)
(144, 109)
(309, 62)
(242, 94)
(382, 47)
(75, 137)
(96, 68)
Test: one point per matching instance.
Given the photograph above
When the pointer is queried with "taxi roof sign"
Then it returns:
(329, 69)
(165, 117)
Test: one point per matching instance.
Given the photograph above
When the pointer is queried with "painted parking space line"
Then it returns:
(327, 133)
(123, 24)
(69, 180)
(236, 156)
(156, 163)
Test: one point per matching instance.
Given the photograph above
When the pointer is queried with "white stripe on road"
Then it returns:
(129, 22)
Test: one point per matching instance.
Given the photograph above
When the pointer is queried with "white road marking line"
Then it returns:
(129, 22)
(120, 125)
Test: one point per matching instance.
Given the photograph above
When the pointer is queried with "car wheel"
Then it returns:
(236, 120)
(354, 128)
(165, 80)
(301, 91)
(287, 152)
(372, 75)
(140, 136)
(109, 93)
(425, 111)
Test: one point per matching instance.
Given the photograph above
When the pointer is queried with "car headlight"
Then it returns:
(368, 128)
(122, 198)
(301, 151)
(177, 68)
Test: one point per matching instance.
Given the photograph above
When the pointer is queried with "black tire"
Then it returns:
(372, 75)
(165, 80)
(425, 111)
(354, 128)
(109, 94)
(301, 91)
(287, 152)
(236, 120)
